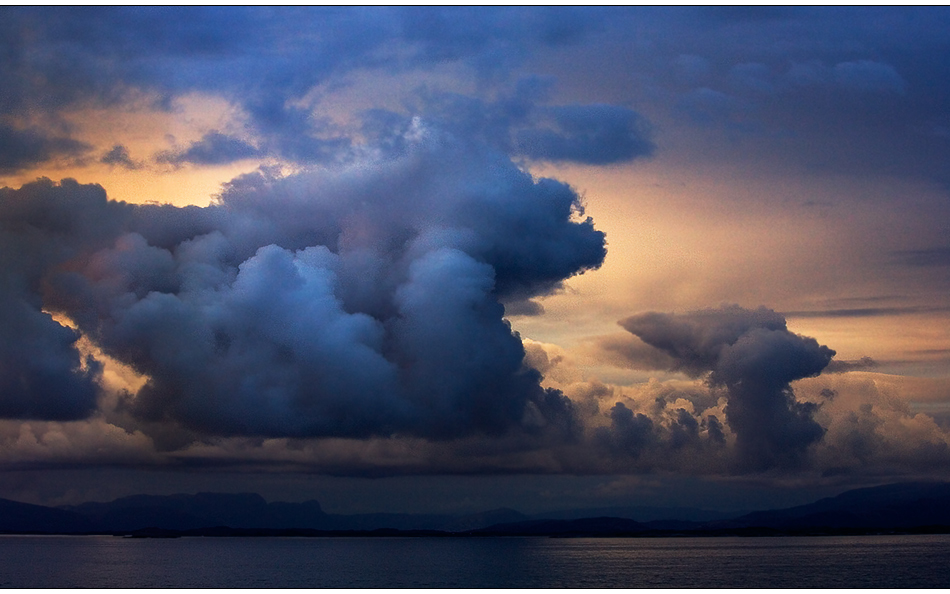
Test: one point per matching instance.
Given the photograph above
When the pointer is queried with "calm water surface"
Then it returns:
(110, 562)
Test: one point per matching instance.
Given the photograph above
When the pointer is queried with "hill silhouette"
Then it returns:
(903, 507)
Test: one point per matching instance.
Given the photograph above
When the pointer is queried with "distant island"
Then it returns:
(904, 508)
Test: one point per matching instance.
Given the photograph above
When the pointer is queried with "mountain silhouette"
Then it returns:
(903, 505)
(911, 507)
(25, 518)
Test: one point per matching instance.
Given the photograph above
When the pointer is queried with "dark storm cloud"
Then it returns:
(755, 358)
(214, 148)
(355, 301)
(27, 147)
(42, 374)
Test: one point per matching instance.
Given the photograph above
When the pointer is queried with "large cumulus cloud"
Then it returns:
(365, 299)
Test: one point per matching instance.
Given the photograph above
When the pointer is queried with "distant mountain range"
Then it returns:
(904, 507)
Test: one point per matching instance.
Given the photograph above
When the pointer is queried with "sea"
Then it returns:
(886, 561)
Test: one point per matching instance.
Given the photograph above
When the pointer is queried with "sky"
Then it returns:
(417, 260)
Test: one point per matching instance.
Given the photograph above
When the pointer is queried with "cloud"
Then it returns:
(841, 366)
(358, 300)
(629, 432)
(755, 358)
(21, 148)
(214, 148)
(753, 77)
(832, 88)
(67, 56)
(692, 69)
(523, 125)
(872, 429)
(492, 41)
(42, 374)
(277, 68)
(299, 310)
(118, 155)
(864, 312)
(629, 351)
(593, 134)
(937, 256)
(38, 444)
(705, 106)
(869, 76)
(267, 63)
(870, 424)
(696, 340)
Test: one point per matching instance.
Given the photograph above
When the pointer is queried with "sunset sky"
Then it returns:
(452, 260)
